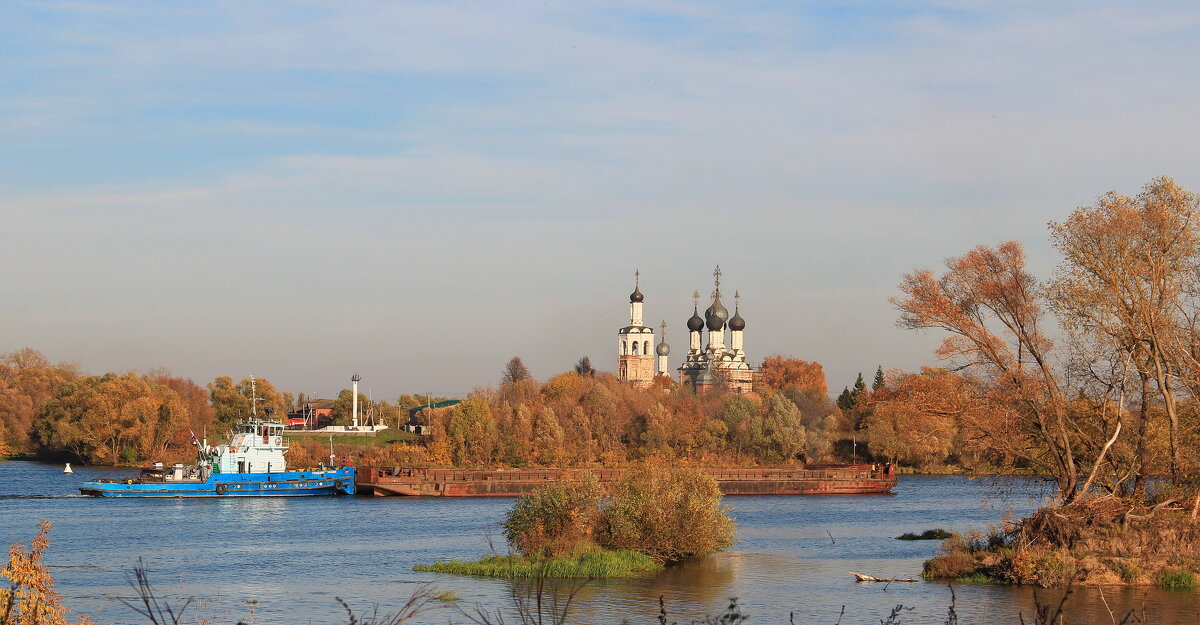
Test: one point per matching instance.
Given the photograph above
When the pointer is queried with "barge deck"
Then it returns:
(841, 479)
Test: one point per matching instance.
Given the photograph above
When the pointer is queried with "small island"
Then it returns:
(653, 517)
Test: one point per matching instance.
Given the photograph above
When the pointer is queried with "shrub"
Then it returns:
(950, 565)
(1130, 573)
(28, 596)
(1055, 569)
(933, 534)
(669, 514)
(1177, 580)
(554, 519)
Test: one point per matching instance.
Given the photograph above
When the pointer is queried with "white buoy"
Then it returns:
(67, 469)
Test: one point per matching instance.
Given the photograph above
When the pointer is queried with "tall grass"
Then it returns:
(591, 565)
(1177, 580)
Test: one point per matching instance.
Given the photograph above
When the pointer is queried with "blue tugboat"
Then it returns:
(251, 465)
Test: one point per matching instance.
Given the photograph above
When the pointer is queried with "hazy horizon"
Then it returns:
(418, 192)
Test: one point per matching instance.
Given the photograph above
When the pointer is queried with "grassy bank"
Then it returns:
(598, 564)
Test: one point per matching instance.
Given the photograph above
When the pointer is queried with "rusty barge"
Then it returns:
(839, 479)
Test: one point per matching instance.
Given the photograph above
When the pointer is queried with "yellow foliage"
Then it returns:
(30, 598)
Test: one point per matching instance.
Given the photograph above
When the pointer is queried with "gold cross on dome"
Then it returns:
(717, 275)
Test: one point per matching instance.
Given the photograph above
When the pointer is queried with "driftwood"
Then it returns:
(871, 578)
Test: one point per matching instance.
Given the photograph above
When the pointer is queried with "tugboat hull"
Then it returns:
(282, 484)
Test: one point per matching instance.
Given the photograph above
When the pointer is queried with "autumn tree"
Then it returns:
(915, 419)
(988, 304)
(1131, 274)
(343, 407)
(195, 399)
(783, 429)
(514, 371)
(265, 399)
(780, 372)
(547, 448)
(112, 419)
(229, 405)
(27, 381)
(745, 424)
(471, 431)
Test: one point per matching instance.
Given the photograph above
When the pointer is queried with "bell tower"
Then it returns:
(635, 342)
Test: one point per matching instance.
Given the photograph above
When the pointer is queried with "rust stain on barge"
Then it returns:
(840, 479)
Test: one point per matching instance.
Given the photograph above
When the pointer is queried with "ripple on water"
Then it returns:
(293, 556)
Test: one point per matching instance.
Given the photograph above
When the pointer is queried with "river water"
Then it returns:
(276, 561)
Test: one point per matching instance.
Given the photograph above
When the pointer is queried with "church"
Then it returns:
(706, 365)
(635, 360)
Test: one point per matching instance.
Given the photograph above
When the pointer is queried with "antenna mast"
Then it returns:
(253, 399)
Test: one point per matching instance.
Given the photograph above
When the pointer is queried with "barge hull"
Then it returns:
(822, 480)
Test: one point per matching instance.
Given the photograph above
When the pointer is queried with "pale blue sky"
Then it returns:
(419, 191)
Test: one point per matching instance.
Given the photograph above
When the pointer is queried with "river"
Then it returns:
(276, 561)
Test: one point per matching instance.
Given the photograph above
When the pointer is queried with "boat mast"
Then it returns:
(253, 400)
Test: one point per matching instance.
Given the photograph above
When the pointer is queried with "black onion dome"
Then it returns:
(715, 323)
(663, 349)
(737, 323)
(695, 324)
(716, 314)
(636, 296)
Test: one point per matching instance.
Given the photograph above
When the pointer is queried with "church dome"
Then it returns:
(737, 323)
(716, 315)
(663, 349)
(715, 323)
(695, 324)
(636, 296)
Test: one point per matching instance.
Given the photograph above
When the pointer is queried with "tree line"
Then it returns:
(582, 417)
(1089, 376)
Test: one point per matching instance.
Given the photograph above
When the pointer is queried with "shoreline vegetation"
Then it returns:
(651, 518)
(1109, 411)
(591, 564)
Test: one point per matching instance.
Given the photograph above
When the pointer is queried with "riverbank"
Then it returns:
(1102, 543)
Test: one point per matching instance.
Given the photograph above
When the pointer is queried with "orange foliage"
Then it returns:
(915, 418)
(30, 598)
(575, 420)
(780, 372)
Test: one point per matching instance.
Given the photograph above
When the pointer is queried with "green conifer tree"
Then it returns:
(845, 401)
(879, 381)
(859, 386)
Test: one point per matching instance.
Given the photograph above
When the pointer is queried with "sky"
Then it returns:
(417, 192)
